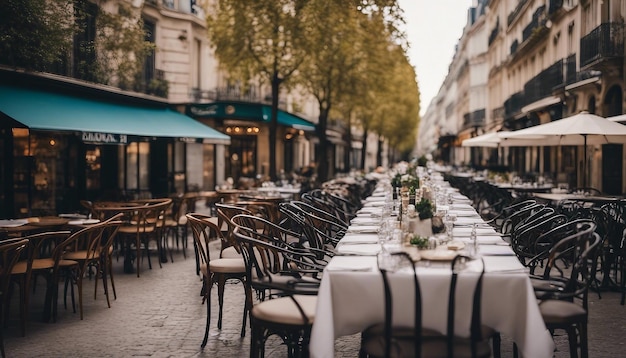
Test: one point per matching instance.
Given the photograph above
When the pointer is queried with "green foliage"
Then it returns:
(122, 48)
(420, 241)
(158, 88)
(424, 209)
(422, 161)
(35, 34)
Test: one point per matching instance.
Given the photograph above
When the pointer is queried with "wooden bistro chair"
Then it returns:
(286, 280)
(216, 270)
(90, 247)
(37, 262)
(410, 339)
(10, 251)
(144, 223)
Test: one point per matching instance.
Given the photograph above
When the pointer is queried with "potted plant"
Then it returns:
(423, 225)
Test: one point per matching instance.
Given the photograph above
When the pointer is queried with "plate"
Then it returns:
(84, 222)
(13, 223)
(73, 216)
(455, 245)
(49, 221)
(438, 255)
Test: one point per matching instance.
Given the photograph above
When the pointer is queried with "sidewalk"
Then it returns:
(160, 314)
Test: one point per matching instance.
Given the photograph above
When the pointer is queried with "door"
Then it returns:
(612, 168)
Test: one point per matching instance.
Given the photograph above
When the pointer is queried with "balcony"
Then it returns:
(555, 5)
(514, 47)
(513, 105)
(515, 13)
(536, 25)
(475, 119)
(494, 32)
(542, 85)
(604, 43)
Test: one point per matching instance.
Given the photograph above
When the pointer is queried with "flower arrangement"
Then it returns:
(424, 209)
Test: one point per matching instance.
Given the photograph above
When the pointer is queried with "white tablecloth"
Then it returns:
(350, 300)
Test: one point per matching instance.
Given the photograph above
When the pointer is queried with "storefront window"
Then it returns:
(39, 175)
(135, 180)
(93, 167)
(208, 167)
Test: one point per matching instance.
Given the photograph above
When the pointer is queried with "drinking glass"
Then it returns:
(448, 221)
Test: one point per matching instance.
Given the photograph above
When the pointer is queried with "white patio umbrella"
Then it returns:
(491, 140)
(580, 129)
(495, 139)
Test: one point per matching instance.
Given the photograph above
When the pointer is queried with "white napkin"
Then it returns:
(352, 263)
(353, 238)
(362, 249)
(363, 228)
(465, 231)
(464, 213)
(462, 207)
(469, 220)
(364, 220)
(503, 264)
(495, 250)
(485, 240)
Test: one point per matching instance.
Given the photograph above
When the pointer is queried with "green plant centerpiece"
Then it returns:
(421, 242)
(424, 209)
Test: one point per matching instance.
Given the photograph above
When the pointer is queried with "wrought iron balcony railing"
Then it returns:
(602, 43)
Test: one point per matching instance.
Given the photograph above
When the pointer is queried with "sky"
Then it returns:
(433, 29)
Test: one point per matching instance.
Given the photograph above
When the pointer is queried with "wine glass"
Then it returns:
(448, 221)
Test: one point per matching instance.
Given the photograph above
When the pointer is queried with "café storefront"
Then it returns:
(248, 125)
(60, 144)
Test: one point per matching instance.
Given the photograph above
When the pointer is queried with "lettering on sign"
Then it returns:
(105, 138)
(204, 111)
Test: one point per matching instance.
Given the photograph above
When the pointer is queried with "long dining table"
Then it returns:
(350, 297)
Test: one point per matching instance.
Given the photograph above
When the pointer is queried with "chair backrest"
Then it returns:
(91, 239)
(271, 263)
(321, 230)
(10, 252)
(403, 259)
(204, 231)
(41, 245)
(475, 323)
(389, 275)
(570, 230)
(225, 213)
(524, 237)
(572, 262)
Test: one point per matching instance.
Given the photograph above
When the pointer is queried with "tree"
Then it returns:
(401, 122)
(34, 34)
(40, 35)
(260, 38)
(335, 72)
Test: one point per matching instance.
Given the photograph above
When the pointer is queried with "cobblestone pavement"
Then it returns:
(160, 314)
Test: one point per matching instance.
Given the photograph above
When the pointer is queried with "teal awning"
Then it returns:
(42, 110)
(248, 111)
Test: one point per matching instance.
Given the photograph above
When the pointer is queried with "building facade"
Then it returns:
(544, 60)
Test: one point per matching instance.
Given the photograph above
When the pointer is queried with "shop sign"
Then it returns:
(104, 138)
(210, 110)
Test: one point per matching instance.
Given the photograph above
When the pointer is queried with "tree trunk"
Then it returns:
(347, 153)
(322, 149)
(274, 126)
(379, 152)
(364, 148)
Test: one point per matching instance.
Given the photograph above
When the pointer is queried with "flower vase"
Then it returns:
(423, 227)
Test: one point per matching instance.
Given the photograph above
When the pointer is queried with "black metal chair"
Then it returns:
(286, 280)
(392, 340)
(215, 271)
